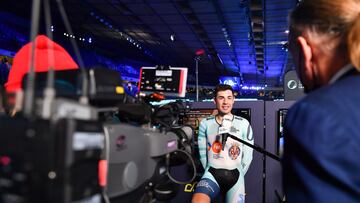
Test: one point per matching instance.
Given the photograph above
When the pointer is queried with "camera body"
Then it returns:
(43, 161)
(136, 156)
(60, 159)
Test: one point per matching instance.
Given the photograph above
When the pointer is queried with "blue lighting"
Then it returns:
(234, 82)
(245, 87)
(111, 27)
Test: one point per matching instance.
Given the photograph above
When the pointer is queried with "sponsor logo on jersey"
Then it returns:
(216, 147)
(205, 184)
(233, 129)
(217, 156)
(234, 152)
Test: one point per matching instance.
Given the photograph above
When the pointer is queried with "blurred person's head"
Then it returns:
(224, 99)
(324, 37)
(44, 47)
(47, 54)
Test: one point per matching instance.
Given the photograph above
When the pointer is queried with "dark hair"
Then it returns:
(222, 87)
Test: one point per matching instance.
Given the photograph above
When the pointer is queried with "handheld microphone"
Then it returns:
(224, 138)
(224, 129)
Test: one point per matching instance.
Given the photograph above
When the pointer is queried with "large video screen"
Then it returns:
(234, 82)
(195, 116)
(280, 131)
(170, 82)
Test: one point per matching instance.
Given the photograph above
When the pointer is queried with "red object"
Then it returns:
(103, 165)
(181, 81)
(199, 52)
(157, 96)
(4, 160)
(216, 147)
(139, 84)
(21, 63)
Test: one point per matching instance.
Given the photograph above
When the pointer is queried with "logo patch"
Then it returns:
(205, 184)
(234, 152)
(216, 147)
(233, 129)
(120, 143)
(190, 187)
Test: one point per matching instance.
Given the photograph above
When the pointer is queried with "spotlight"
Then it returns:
(172, 38)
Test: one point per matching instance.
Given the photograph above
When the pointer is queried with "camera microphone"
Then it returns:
(224, 129)
(224, 138)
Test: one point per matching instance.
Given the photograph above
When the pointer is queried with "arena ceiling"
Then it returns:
(241, 38)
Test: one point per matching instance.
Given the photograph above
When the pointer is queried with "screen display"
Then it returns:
(234, 82)
(194, 117)
(171, 82)
(280, 131)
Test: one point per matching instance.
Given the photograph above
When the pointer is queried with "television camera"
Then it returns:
(116, 147)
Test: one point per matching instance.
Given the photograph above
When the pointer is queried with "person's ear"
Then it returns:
(307, 55)
(214, 100)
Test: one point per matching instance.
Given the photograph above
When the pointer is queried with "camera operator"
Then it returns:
(225, 161)
(44, 48)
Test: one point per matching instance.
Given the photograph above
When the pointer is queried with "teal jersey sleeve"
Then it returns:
(202, 143)
(248, 151)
